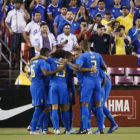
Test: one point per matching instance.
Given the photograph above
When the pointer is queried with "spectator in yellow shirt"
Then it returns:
(107, 21)
(22, 78)
(127, 18)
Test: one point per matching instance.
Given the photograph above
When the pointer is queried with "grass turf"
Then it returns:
(123, 133)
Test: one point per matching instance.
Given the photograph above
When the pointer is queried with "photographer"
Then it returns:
(121, 42)
(82, 33)
(66, 40)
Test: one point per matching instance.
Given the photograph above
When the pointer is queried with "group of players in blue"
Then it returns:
(52, 87)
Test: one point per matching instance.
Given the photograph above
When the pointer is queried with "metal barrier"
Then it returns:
(10, 58)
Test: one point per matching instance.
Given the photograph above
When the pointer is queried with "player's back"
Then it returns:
(36, 73)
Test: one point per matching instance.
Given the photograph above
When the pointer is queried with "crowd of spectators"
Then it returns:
(110, 26)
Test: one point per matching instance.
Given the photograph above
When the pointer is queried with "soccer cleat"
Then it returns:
(72, 131)
(29, 128)
(84, 131)
(112, 129)
(68, 133)
(57, 132)
(97, 132)
(89, 131)
(102, 131)
(35, 133)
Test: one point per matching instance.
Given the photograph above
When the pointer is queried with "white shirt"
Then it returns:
(17, 20)
(33, 28)
(72, 40)
(37, 41)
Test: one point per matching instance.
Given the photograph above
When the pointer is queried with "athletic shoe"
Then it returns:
(57, 132)
(68, 133)
(78, 131)
(89, 131)
(102, 131)
(84, 131)
(35, 133)
(112, 129)
(72, 131)
(29, 128)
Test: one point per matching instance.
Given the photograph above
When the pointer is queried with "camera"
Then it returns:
(84, 25)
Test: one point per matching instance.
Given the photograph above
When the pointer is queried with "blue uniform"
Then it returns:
(74, 9)
(125, 3)
(37, 85)
(136, 13)
(116, 11)
(133, 33)
(58, 92)
(40, 8)
(9, 7)
(59, 2)
(58, 19)
(92, 11)
(1, 13)
(74, 26)
(70, 85)
(55, 11)
(136, 45)
(91, 80)
(109, 3)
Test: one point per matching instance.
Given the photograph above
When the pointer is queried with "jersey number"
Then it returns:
(58, 73)
(32, 71)
(95, 64)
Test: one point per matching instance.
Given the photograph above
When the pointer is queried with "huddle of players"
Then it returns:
(52, 86)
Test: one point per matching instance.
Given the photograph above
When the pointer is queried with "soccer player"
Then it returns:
(91, 83)
(38, 69)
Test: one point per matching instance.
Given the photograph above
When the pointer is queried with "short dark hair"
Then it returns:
(121, 27)
(68, 54)
(43, 24)
(84, 43)
(58, 54)
(77, 49)
(83, 20)
(100, 26)
(64, 6)
(113, 23)
(100, 1)
(37, 12)
(137, 18)
(43, 51)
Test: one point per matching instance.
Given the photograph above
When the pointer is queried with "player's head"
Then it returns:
(77, 52)
(107, 15)
(66, 29)
(117, 2)
(58, 54)
(69, 56)
(44, 52)
(125, 10)
(115, 25)
(121, 30)
(38, 1)
(54, 2)
(100, 29)
(101, 4)
(73, 2)
(17, 4)
(37, 16)
(84, 45)
(69, 15)
(43, 27)
(64, 10)
(137, 22)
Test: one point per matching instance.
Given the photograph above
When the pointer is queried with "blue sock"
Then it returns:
(40, 121)
(99, 117)
(46, 122)
(109, 115)
(71, 118)
(62, 118)
(66, 120)
(85, 114)
(36, 115)
(81, 118)
(55, 119)
(94, 112)
(52, 120)
(89, 119)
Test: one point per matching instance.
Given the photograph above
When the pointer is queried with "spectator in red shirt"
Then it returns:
(82, 33)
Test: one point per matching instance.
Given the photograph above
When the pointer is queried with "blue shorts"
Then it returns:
(37, 96)
(91, 89)
(71, 92)
(58, 95)
(46, 94)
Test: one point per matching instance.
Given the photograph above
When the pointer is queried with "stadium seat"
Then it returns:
(136, 80)
(115, 71)
(132, 71)
(25, 51)
(122, 80)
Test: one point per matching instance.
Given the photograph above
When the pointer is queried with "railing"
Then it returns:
(10, 58)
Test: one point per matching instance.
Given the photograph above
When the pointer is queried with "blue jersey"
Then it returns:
(58, 79)
(109, 3)
(125, 3)
(36, 73)
(136, 13)
(133, 33)
(9, 7)
(1, 13)
(59, 2)
(58, 19)
(40, 8)
(74, 26)
(74, 9)
(79, 74)
(88, 60)
(92, 11)
(136, 45)
(116, 11)
(46, 79)
(69, 76)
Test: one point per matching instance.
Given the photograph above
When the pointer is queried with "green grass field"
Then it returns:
(123, 133)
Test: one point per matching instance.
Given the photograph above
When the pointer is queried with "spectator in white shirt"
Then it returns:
(66, 40)
(17, 17)
(32, 29)
(44, 39)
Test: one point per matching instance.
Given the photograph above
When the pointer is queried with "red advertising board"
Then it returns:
(124, 106)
